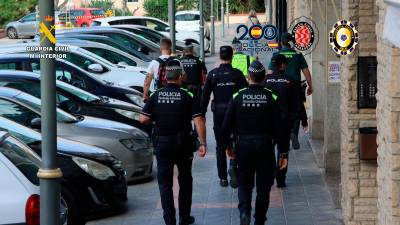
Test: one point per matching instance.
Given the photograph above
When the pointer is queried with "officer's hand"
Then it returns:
(309, 90)
(283, 163)
(305, 129)
(145, 98)
(230, 153)
(202, 151)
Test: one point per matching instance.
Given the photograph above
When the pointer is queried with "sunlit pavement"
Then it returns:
(306, 200)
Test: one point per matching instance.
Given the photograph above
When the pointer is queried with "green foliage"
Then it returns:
(157, 8)
(102, 4)
(121, 12)
(14, 9)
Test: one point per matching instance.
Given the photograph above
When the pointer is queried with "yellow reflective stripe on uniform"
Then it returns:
(235, 94)
(274, 96)
(190, 93)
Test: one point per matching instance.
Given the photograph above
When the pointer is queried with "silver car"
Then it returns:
(26, 26)
(130, 145)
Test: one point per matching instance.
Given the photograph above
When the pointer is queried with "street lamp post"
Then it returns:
(201, 30)
(212, 28)
(171, 20)
(227, 12)
(222, 18)
(49, 174)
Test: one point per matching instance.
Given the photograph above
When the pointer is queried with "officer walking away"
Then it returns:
(156, 71)
(240, 60)
(222, 81)
(252, 116)
(289, 105)
(296, 65)
(195, 70)
(172, 109)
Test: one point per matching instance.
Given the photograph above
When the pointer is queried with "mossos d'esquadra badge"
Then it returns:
(343, 38)
(305, 34)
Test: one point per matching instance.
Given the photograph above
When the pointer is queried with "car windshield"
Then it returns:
(111, 56)
(22, 157)
(187, 17)
(35, 103)
(86, 96)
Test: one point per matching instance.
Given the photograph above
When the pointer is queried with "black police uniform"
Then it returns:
(289, 104)
(223, 82)
(172, 108)
(251, 116)
(194, 69)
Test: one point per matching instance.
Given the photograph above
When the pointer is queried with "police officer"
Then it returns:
(172, 109)
(296, 65)
(289, 104)
(195, 70)
(252, 116)
(240, 60)
(222, 81)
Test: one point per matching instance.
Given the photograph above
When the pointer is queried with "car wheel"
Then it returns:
(12, 33)
(69, 211)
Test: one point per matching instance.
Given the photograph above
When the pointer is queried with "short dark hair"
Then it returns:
(277, 60)
(286, 38)
(225, 53)
(166, 43)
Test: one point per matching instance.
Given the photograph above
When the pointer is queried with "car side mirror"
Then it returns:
(36, 123)
(122, 63)
(95, 68)
(167, 29)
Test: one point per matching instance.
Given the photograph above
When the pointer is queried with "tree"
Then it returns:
(60, 4)
(157, 8)
(15, 9)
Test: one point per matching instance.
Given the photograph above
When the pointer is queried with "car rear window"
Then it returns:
(97, 12)
(77, 12)
(187, 17)
(22, 157)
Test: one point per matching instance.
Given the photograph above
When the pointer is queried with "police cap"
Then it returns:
(173, 70)
(226, 52)
(257, 71)
(188, 45)
(286, 37)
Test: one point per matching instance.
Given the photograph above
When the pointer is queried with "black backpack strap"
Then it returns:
(248, 61)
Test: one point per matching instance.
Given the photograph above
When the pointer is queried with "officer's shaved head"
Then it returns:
(173, 70)
(165, 44)
(226, 53)
(257, 72)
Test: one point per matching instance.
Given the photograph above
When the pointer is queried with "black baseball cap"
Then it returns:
(278, 60)
(286, 37)
(226, 52)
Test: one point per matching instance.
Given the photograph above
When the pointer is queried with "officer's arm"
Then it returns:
(294, 103)
(200, 123)
(203, 73)
(147, 111)
(146, 85)
(227, 125)
(307, 75)
(145, 119)
(205, 98)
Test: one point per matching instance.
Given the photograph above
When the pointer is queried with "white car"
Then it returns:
(190, 21)
(152, 23)
(19, 189)
(93, 64)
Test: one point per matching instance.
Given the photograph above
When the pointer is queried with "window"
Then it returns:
(156, 25)
(86, 96)
(17, 113)
(187, 17)
(75, 13)
(97, 12)
(8, 66)
(80, 61)
(29, 18)
(32, 88)
(22, 157)
(111, 56)
(74, 77)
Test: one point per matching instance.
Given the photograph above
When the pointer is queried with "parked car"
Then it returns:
(190, 21)
(71, 74)
(107, 41)
(151, 23)
(19, 189)
(93, 183)
(27, 26)
(76, 101)
(99, 67)
(85, 16)
(126, 38)
(130, 145)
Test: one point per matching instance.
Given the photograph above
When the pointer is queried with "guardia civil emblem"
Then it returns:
(343, 38)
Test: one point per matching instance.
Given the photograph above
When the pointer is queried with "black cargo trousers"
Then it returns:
(256, 164)
(168, 154)
(283, 145)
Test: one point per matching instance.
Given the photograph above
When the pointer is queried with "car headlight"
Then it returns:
(93, 168)
(128, 114)
(140, 141)
(136, 99)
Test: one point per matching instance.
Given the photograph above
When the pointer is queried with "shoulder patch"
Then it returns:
(187, 91)
(274, 96)
(236, 94)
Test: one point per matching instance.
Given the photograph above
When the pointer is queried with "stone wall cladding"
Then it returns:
(359, 186)
(388, 125)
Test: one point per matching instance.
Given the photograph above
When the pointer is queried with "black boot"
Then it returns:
(244, 219)
(187, 220)
(223, 183)
(232, 174)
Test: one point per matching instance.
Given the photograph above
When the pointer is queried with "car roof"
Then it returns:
(115, 18)
(188, 12)
(9, 92)
(19, 74)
